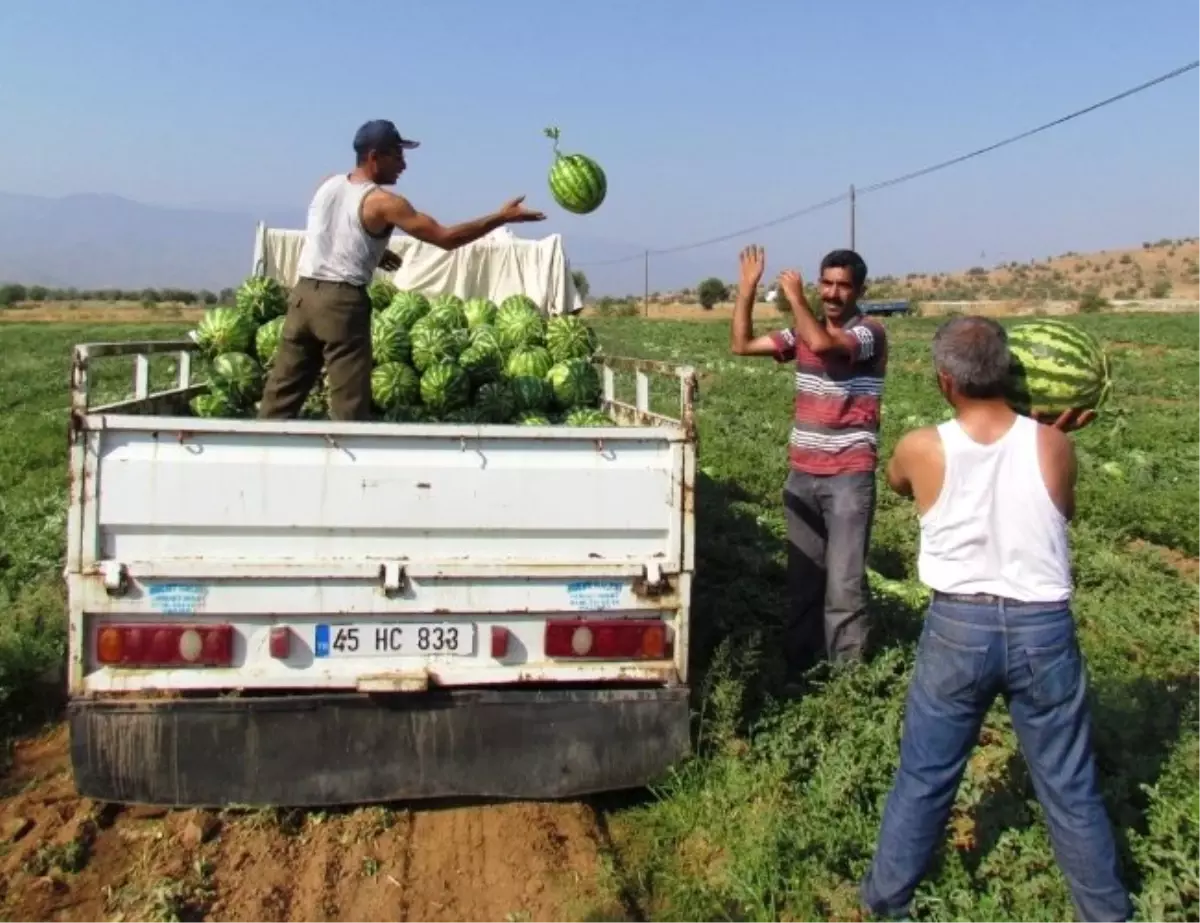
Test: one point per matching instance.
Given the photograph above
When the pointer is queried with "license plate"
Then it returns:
(371, 639)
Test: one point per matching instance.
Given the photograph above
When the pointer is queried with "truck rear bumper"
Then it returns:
(339, 749)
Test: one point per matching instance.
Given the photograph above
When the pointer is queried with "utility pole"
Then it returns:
(646, 281)
(852, 234)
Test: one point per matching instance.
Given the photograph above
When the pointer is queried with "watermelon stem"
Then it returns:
(552, 133)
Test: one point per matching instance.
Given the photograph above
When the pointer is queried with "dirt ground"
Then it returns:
(63, 857)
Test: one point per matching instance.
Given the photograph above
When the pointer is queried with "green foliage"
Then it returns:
(580, 280)
(710, 291)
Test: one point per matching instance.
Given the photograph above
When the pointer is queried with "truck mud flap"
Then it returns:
(343, 749)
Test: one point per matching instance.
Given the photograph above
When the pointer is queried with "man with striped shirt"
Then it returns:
(829, 495)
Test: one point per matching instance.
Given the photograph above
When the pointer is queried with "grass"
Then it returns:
(776, 816)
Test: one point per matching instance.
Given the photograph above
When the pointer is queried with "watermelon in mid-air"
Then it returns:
(1056, 366)
(576, 181)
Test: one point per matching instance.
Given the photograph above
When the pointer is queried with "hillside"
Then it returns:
(1160, 269)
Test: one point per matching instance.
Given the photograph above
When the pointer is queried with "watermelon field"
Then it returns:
(776, 816)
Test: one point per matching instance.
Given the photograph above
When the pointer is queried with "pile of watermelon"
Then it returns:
(436, 360)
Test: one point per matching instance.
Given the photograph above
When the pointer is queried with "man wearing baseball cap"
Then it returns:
(350, 221)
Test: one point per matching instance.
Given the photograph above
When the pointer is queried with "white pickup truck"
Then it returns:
(320, 613)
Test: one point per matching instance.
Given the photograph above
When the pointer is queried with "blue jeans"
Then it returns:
(968, 653)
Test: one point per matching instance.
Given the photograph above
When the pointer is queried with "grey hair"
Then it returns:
(973, 353)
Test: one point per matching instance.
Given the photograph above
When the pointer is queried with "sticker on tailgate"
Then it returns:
(372, 639)
(594, 594)
(176, 598)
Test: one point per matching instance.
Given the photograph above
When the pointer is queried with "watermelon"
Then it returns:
(513, 302)
(237, 376)
(568, 337)
(381, 292)
(394, 385)
(576, 383)
(588, 416)
(531, 361)
(445, 387)
(518, 325)
(225, 330)
(316, 405)
(483, 359)
(532, 418)
(480, 312)
(406, 308)
(389, 340)
(261, 298)
(214, 404)
(1056, 366)
(447, 311)
(432, 342)
(496, 402)
(531, 393)
(266, 340)
(576, 181)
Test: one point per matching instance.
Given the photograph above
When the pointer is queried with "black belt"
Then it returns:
(321, 283)
(985, 599)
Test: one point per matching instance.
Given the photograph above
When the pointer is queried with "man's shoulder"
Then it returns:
(874, 324)
(920, 438)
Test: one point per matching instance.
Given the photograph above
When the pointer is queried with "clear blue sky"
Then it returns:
(707, 116)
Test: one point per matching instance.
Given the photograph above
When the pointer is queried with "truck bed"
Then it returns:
(453, 568)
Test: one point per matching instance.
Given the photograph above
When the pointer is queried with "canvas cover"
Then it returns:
(495, 266)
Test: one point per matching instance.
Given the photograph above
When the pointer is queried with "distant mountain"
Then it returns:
(106, 241)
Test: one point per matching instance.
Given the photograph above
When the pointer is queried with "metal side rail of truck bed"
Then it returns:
(309, 612)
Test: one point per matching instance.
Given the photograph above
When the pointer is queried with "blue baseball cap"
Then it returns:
(381, 135)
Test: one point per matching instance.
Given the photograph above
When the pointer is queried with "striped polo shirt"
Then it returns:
(836, 425)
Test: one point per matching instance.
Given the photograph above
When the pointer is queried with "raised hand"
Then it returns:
(792, 286)
(752, 261)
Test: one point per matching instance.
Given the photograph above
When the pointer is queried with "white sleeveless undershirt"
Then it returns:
(337, 248)
(994, 527)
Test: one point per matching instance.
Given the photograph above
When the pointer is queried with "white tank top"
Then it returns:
(337, 248)
(994, 528)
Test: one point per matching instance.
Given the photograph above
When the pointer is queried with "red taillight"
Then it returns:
(610, 639)
(281, 642)
(157, 645)
(499, 642)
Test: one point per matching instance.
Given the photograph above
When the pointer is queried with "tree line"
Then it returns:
(14, 292)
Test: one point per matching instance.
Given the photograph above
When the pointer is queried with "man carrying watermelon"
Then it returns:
(350, 221)
(995, 492)
(829, 495)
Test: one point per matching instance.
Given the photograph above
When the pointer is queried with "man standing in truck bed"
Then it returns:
(350, 222)
(829, 495)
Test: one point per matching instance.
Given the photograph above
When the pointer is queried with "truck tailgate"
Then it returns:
(374, 556)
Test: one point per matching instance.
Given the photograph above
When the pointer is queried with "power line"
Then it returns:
(903, 178)
(895, 181)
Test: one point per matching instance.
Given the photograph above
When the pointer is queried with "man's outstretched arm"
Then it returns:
(397, 211)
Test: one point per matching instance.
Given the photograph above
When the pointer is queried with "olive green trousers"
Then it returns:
(327, 323)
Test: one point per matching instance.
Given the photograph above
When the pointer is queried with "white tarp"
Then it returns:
(495, 266)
